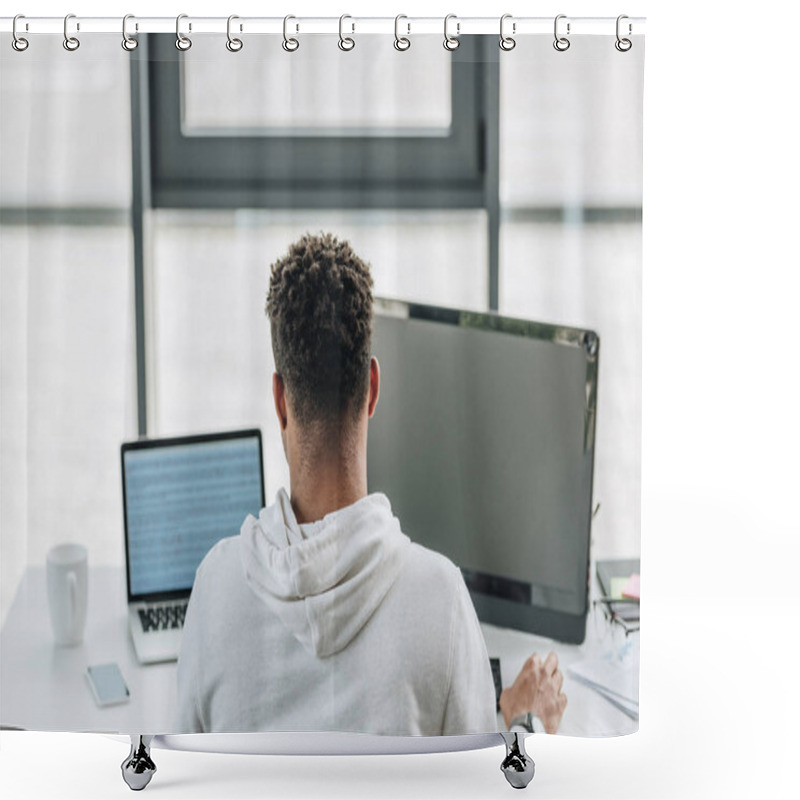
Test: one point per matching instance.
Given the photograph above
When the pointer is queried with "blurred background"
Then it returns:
(549, 229)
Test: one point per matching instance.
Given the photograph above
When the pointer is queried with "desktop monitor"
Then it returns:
(483, 440)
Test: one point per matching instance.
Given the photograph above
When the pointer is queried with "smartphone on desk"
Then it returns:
(107, 684)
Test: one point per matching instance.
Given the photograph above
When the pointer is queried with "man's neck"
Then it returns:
(321, 487)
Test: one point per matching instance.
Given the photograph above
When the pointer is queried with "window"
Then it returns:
(251, 157)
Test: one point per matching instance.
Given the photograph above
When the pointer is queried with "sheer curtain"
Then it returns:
(571, 245)
(67, 379)
(569, 253)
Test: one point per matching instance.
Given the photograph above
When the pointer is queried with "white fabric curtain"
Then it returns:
(566, 161)
(68, 387)
(570, 253)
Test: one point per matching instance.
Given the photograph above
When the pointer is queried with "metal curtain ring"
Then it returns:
(71, 43)
(561, 43)
(183, 43)
(19, 43)
(451, 42)
(401, 43)
(345, 42)
(507, 42)
(233, 44)
(289, 44)
(623, 44)
(128, 42)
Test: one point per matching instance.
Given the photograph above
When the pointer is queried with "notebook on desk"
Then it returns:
(614, 576)
(180, 496)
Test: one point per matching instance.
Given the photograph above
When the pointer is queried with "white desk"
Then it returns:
(42, 686)
(587, 712)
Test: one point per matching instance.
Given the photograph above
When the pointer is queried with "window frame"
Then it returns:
(308, 171)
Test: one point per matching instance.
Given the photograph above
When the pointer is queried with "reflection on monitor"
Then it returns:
(483, 440)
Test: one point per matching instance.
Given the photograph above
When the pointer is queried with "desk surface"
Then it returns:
(43, 687)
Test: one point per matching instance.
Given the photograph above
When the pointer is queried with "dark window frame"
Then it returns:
(352, 171)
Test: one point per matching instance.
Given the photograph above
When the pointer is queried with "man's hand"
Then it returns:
(537, 689)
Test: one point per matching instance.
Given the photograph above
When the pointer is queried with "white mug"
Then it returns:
(67, 590)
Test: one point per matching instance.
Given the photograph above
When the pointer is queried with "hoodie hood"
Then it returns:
(324, 579)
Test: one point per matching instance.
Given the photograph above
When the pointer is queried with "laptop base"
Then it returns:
(154, 646)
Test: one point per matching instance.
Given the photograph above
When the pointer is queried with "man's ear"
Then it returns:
(374, 385)
(279, 396)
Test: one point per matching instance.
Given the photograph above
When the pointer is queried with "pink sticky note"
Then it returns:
(632, 587)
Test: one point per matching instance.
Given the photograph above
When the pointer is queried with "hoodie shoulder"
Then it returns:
(431, 571)
(433, 560)
(222, 550)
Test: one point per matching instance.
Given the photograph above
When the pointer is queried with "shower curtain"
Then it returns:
(145, 191)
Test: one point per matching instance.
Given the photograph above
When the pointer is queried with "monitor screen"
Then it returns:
(483, 440)
(182, 496)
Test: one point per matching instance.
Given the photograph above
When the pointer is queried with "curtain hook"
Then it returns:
(346, 42)
(623, 45)
(451, 42)
(71, 43)
(183, 43)
(561, 43)
(401, 43)
(233, 44)
(507, 42)
(18, 42)
(289, 44)
(128, 42)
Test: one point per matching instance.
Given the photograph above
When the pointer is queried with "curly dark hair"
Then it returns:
(320, 309)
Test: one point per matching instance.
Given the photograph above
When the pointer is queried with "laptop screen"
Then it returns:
(181, 496)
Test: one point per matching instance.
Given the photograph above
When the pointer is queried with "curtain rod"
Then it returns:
(408, 26)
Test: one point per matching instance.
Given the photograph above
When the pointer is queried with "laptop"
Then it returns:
(180, 497)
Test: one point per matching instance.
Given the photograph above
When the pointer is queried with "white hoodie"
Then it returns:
(338, 625)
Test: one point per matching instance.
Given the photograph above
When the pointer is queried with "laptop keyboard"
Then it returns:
(162, 618)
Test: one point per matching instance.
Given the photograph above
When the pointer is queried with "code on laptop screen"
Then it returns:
(182, 499)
